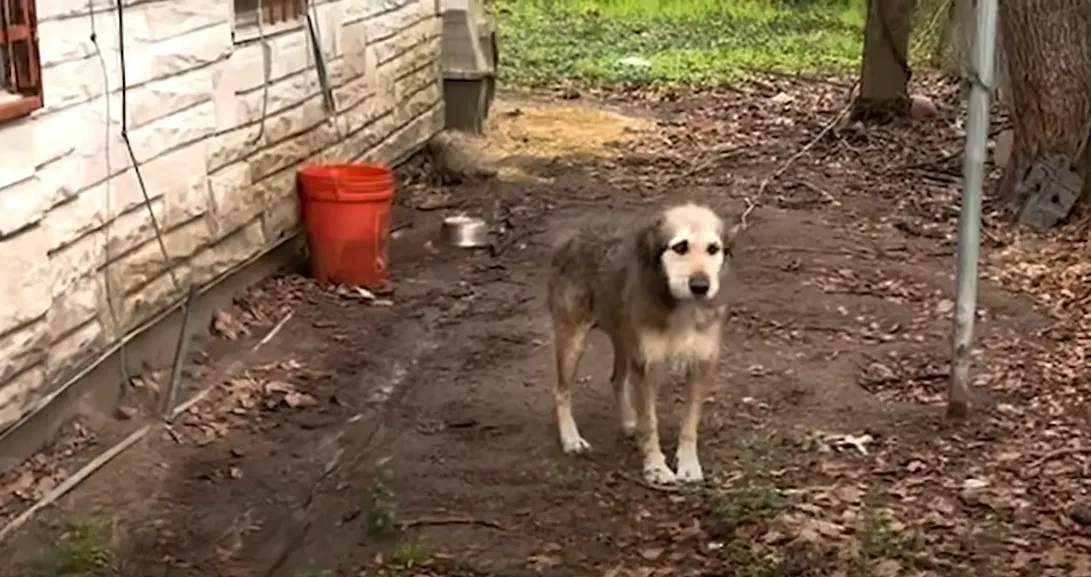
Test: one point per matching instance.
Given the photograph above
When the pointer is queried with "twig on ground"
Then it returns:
(718, 154)
(799, 77)
(752, 203)
(825, 195)
(231, 369)
(71, 482)
(272, 333)
(426, 521)
(934, 163)
(921, 377)
(816, 250)
(1057, 454)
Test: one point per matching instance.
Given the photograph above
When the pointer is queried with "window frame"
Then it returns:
(26, 88)
(279, 16)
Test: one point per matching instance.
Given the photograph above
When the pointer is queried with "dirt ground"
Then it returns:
(412, 433)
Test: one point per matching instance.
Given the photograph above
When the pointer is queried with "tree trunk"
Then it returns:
(884, 73)
(1047, 48)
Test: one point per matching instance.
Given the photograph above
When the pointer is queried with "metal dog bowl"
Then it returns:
(465, 231)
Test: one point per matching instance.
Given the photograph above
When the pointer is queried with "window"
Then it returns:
(276, 15)
(20, 70)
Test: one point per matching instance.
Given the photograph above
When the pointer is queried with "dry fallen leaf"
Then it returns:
(22, 483)
(886, 568)
(296, 400)
(45, 485)
(542, 562)
(224, 324)
(849, 494)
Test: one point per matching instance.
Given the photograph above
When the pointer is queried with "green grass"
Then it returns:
(82, 550)
(689, 41)
(679, 41)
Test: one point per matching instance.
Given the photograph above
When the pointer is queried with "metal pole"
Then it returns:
(969, 221)
(181, 350)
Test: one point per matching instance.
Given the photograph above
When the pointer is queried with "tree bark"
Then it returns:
(884, 72)
(1047, 48)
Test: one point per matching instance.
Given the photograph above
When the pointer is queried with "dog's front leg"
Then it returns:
(689, 466)
(645, 383)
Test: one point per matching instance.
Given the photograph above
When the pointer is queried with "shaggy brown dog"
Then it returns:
(658, 293)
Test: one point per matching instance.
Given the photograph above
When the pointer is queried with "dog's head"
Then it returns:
(691, 246)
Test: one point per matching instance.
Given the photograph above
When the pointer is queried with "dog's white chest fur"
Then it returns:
(680, 345)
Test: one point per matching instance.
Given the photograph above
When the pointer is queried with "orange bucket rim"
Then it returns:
(347, 170)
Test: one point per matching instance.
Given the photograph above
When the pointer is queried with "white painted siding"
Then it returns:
(221, 194)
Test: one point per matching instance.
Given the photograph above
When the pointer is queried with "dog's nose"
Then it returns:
(699, 286)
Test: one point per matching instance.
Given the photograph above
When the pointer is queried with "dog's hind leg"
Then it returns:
(645, 385)
(569, 339)
(623, 398)
(689, 466)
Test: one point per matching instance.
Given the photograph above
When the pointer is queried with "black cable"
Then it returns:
(129, 146)
(123, 364)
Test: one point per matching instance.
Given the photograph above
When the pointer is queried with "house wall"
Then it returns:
(73, 221)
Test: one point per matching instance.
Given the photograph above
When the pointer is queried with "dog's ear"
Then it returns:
(650, 240)
(728, 238)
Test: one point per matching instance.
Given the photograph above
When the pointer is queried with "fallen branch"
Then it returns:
(435, 521)
(752, 203)
(71, 482)
(718, 154)
(1057, 454)
(927, 377)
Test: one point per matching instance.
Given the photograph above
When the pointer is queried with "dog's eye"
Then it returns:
(680, 247)
(713, 249)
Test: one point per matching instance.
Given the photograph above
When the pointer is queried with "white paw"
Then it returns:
(689, 470)
(658, 474)
(628, 428)
(575, 445)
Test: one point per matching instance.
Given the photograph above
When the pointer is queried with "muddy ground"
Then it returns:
(412, 434)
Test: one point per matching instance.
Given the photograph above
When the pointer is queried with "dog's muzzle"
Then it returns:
(699, 285)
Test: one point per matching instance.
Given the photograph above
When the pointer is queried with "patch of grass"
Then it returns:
(690, 41)
(321, 573)
(407, 559)
(674, 41)
(749, 505)
(83, 549)
(380, 514)
(760, 453)
(411, 554)
(562, 477)
(741, 560)
(878, 538)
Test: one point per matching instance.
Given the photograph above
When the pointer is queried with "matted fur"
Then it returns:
(638, 286)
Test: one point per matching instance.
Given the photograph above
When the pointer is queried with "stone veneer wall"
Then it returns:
(223, 189)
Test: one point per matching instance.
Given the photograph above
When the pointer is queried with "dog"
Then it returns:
(657, 290)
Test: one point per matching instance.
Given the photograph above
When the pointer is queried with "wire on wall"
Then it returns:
(111, 304)
(129, 147)
(267, 72)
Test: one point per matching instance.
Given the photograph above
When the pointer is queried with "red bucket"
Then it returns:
(346, 214)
